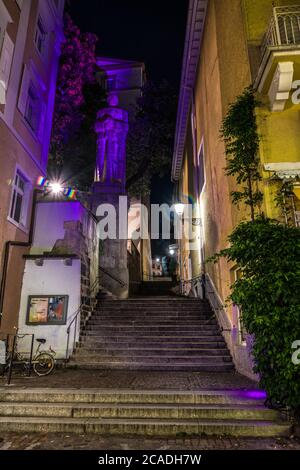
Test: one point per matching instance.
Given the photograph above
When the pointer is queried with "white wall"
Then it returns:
(49, 223)
(53, 278)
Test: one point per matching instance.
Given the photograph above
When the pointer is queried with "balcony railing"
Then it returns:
(284, 28)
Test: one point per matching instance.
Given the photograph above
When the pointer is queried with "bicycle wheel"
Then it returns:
(43, 364)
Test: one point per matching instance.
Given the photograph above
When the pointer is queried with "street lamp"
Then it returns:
(55, 187)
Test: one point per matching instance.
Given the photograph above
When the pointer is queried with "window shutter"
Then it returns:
(42, 122)
(24, 90)
(6, 60)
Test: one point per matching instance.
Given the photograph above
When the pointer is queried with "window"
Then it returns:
(111, 83)
(31, 102)
(19, 201)
(6, 51)
(201, 170)
(40, 36)
(6, 57)
(33, 109)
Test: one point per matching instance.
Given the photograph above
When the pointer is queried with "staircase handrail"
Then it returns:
(75, 317)
(114, 278)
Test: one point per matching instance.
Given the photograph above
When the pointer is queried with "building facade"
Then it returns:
(31, 32)
(226, 50)
(125, 78)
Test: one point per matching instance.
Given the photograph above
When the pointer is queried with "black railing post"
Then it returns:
(11, 360)
(68, 340)
(31, 354)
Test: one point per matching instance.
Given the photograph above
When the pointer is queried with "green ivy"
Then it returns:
(239, 132)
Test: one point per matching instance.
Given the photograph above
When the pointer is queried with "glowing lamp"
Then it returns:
(172, 252)
(56, 188)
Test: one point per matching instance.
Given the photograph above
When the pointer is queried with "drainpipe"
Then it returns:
(11, 243)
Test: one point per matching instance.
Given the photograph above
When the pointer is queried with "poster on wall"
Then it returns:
(47, 310)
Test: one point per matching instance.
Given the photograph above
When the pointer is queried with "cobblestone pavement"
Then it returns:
(12, 441)
(147, 380)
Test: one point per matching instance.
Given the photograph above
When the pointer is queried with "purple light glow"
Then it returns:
(255, 394)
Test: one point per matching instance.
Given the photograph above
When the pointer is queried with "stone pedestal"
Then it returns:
(113, 269)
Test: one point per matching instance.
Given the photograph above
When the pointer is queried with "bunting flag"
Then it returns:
(68, 192)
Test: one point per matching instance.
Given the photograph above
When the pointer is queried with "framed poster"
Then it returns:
(47, 309)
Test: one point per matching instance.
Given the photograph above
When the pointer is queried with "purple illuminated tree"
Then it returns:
(76, 71)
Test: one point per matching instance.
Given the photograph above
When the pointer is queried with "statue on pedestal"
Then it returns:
(111, 128)
(110, 183)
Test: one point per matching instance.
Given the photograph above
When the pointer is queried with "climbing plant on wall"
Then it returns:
(239, 132)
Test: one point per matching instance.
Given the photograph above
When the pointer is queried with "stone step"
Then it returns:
(152, 328)
(140, 410)
(109, 343)
(131, 365)
(142, 352)
(148, 321)
(148, 427)
(142, 317)
(96, 395)
(119, 336)
(152, 306)
(84, 356)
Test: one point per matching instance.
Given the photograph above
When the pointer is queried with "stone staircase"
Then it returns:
(152, 333)
(146, 413)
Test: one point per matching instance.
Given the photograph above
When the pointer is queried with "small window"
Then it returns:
(40, 36)
(18, 208)
(33, 108)
(111, 83)
(201, 170)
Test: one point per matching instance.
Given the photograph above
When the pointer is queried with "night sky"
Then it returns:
(148, 31)
(152, 32)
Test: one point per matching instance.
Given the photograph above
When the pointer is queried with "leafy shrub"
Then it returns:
(268, 294)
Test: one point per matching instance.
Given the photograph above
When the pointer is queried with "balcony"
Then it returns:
(284, 29)
(280, 57)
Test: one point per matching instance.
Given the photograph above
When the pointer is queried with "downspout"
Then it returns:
(12, 243)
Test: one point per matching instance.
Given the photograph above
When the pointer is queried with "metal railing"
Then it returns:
(284, 28)
(195, 285)
(76, 317)
(114, 278)
(13, 357)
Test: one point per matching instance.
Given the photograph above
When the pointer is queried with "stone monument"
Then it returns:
(109, 184)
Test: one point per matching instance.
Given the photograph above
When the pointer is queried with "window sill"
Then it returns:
(19, 226)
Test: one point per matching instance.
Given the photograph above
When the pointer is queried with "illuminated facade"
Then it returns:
(31, 32)
(254, 42)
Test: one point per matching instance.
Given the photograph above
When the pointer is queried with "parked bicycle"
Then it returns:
(42, 362)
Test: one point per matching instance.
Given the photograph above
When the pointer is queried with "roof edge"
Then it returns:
(193, 39)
